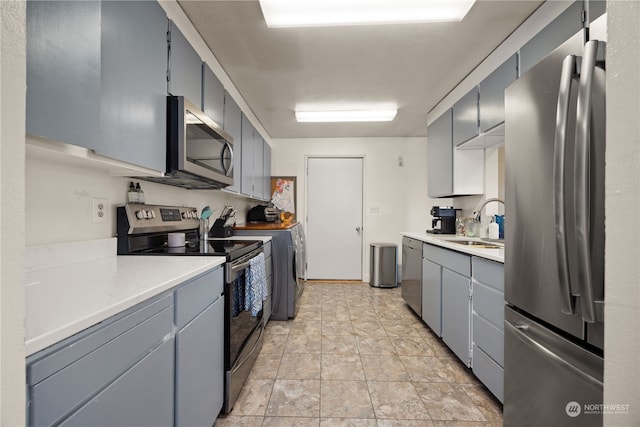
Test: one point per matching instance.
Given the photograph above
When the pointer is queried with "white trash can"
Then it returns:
(383, 265)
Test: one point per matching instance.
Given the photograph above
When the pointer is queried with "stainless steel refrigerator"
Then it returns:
(554, 219)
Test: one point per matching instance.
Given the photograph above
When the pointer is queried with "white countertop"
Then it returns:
(443, 241)
(69, 288)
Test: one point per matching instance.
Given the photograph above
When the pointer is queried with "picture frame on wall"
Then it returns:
(283, 195)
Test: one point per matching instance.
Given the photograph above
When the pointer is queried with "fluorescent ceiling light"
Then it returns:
(318, 13)
(346, 116)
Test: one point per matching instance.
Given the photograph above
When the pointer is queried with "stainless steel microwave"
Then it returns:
(199, 151)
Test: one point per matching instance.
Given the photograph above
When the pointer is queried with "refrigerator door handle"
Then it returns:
(569, 71)
(582, 182)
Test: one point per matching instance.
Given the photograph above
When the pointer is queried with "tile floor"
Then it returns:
(358, 356)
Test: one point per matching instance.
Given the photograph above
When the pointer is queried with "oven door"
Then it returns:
(196, 144)
(243, 330)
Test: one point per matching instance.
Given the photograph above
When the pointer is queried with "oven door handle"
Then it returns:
(239, 267)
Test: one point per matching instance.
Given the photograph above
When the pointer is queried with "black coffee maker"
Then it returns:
(444, 220)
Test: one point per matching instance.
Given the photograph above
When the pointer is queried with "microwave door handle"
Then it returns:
(582, 183)
(559, 162)
(227, 170)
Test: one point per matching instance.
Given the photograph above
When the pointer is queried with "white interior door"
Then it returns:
(334, 218)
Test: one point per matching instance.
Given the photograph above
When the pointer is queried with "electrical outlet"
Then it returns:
(374, 209)
(99, 210)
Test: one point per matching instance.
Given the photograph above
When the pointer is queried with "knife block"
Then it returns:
(220, 230)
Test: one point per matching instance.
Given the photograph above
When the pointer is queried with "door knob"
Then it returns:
(358, 229)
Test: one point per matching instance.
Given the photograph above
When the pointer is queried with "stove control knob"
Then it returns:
(185, 215)
(140, 214)
(152, 214)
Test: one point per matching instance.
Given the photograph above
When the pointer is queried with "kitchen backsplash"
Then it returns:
(59, 193)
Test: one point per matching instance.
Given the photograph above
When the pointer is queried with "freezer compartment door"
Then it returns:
(548, 380)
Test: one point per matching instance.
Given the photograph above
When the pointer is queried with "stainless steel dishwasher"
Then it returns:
(412, 273)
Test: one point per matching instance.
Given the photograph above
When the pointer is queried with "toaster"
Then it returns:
(262, 213)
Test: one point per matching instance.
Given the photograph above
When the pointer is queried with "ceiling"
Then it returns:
(412, 65)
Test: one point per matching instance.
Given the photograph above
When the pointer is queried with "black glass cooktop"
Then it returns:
(231, 249)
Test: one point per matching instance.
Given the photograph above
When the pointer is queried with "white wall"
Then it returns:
(622, 247)
(398, 191)
(59, 190)
(12, 223)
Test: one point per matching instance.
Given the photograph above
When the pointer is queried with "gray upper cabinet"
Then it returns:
(133, 76)
(266, 195)
(63, 71)
(440, 156)
(492, 93)
(258, 166)
(595, 8)
(465, 117)
(552, 36)
(212, 95)
(232, 124)
(185, 67)
(248, 142)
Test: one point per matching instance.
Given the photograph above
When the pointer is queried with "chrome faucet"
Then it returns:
(476, 215)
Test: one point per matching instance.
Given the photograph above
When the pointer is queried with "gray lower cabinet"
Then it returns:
(432, 295)
(268, 261)
(456, 311)
(488, 324)
(134, 369)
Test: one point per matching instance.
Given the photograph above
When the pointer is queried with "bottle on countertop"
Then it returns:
(140, 193)
(132, 194)
(494, 230)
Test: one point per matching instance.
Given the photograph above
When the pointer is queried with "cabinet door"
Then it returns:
(248, 149)
(133, 76)
(440, 156)
(432, 295)
(63, 71)
(233, 126)
(143, 396)
(553, 35)
(200, 368)
(212, 95)
(456, 314)
(266, 195)
(185, 68)
(492, 93)
(595, 8)
(465, 117)
(258, 166)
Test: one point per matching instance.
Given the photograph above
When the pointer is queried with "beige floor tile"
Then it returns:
(466, 424)
(376, 346)
(266, 366)
(364, 328)
(396, 400)
(278, 327)
(383, 368)
(296, 366)
(347, 422)
(310, 328)
(340, 315)
(490, 407)
(426, 369)
(448, 402)
(413, 346)
(339, 344)
(342, 367)
(295, 398)
(457, 371)
(399, 329)
(405, 423)
(238, 421)
(302, 343)
(274, 345)
(253, 398)
(291, 422)
(336, 327)
(345, 399)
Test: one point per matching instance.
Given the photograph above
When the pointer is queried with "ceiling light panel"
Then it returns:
(319, 13)
(346, 116)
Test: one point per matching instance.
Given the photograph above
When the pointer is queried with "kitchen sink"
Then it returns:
(477, 244)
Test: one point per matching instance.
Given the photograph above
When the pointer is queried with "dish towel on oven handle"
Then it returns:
(255, 285)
